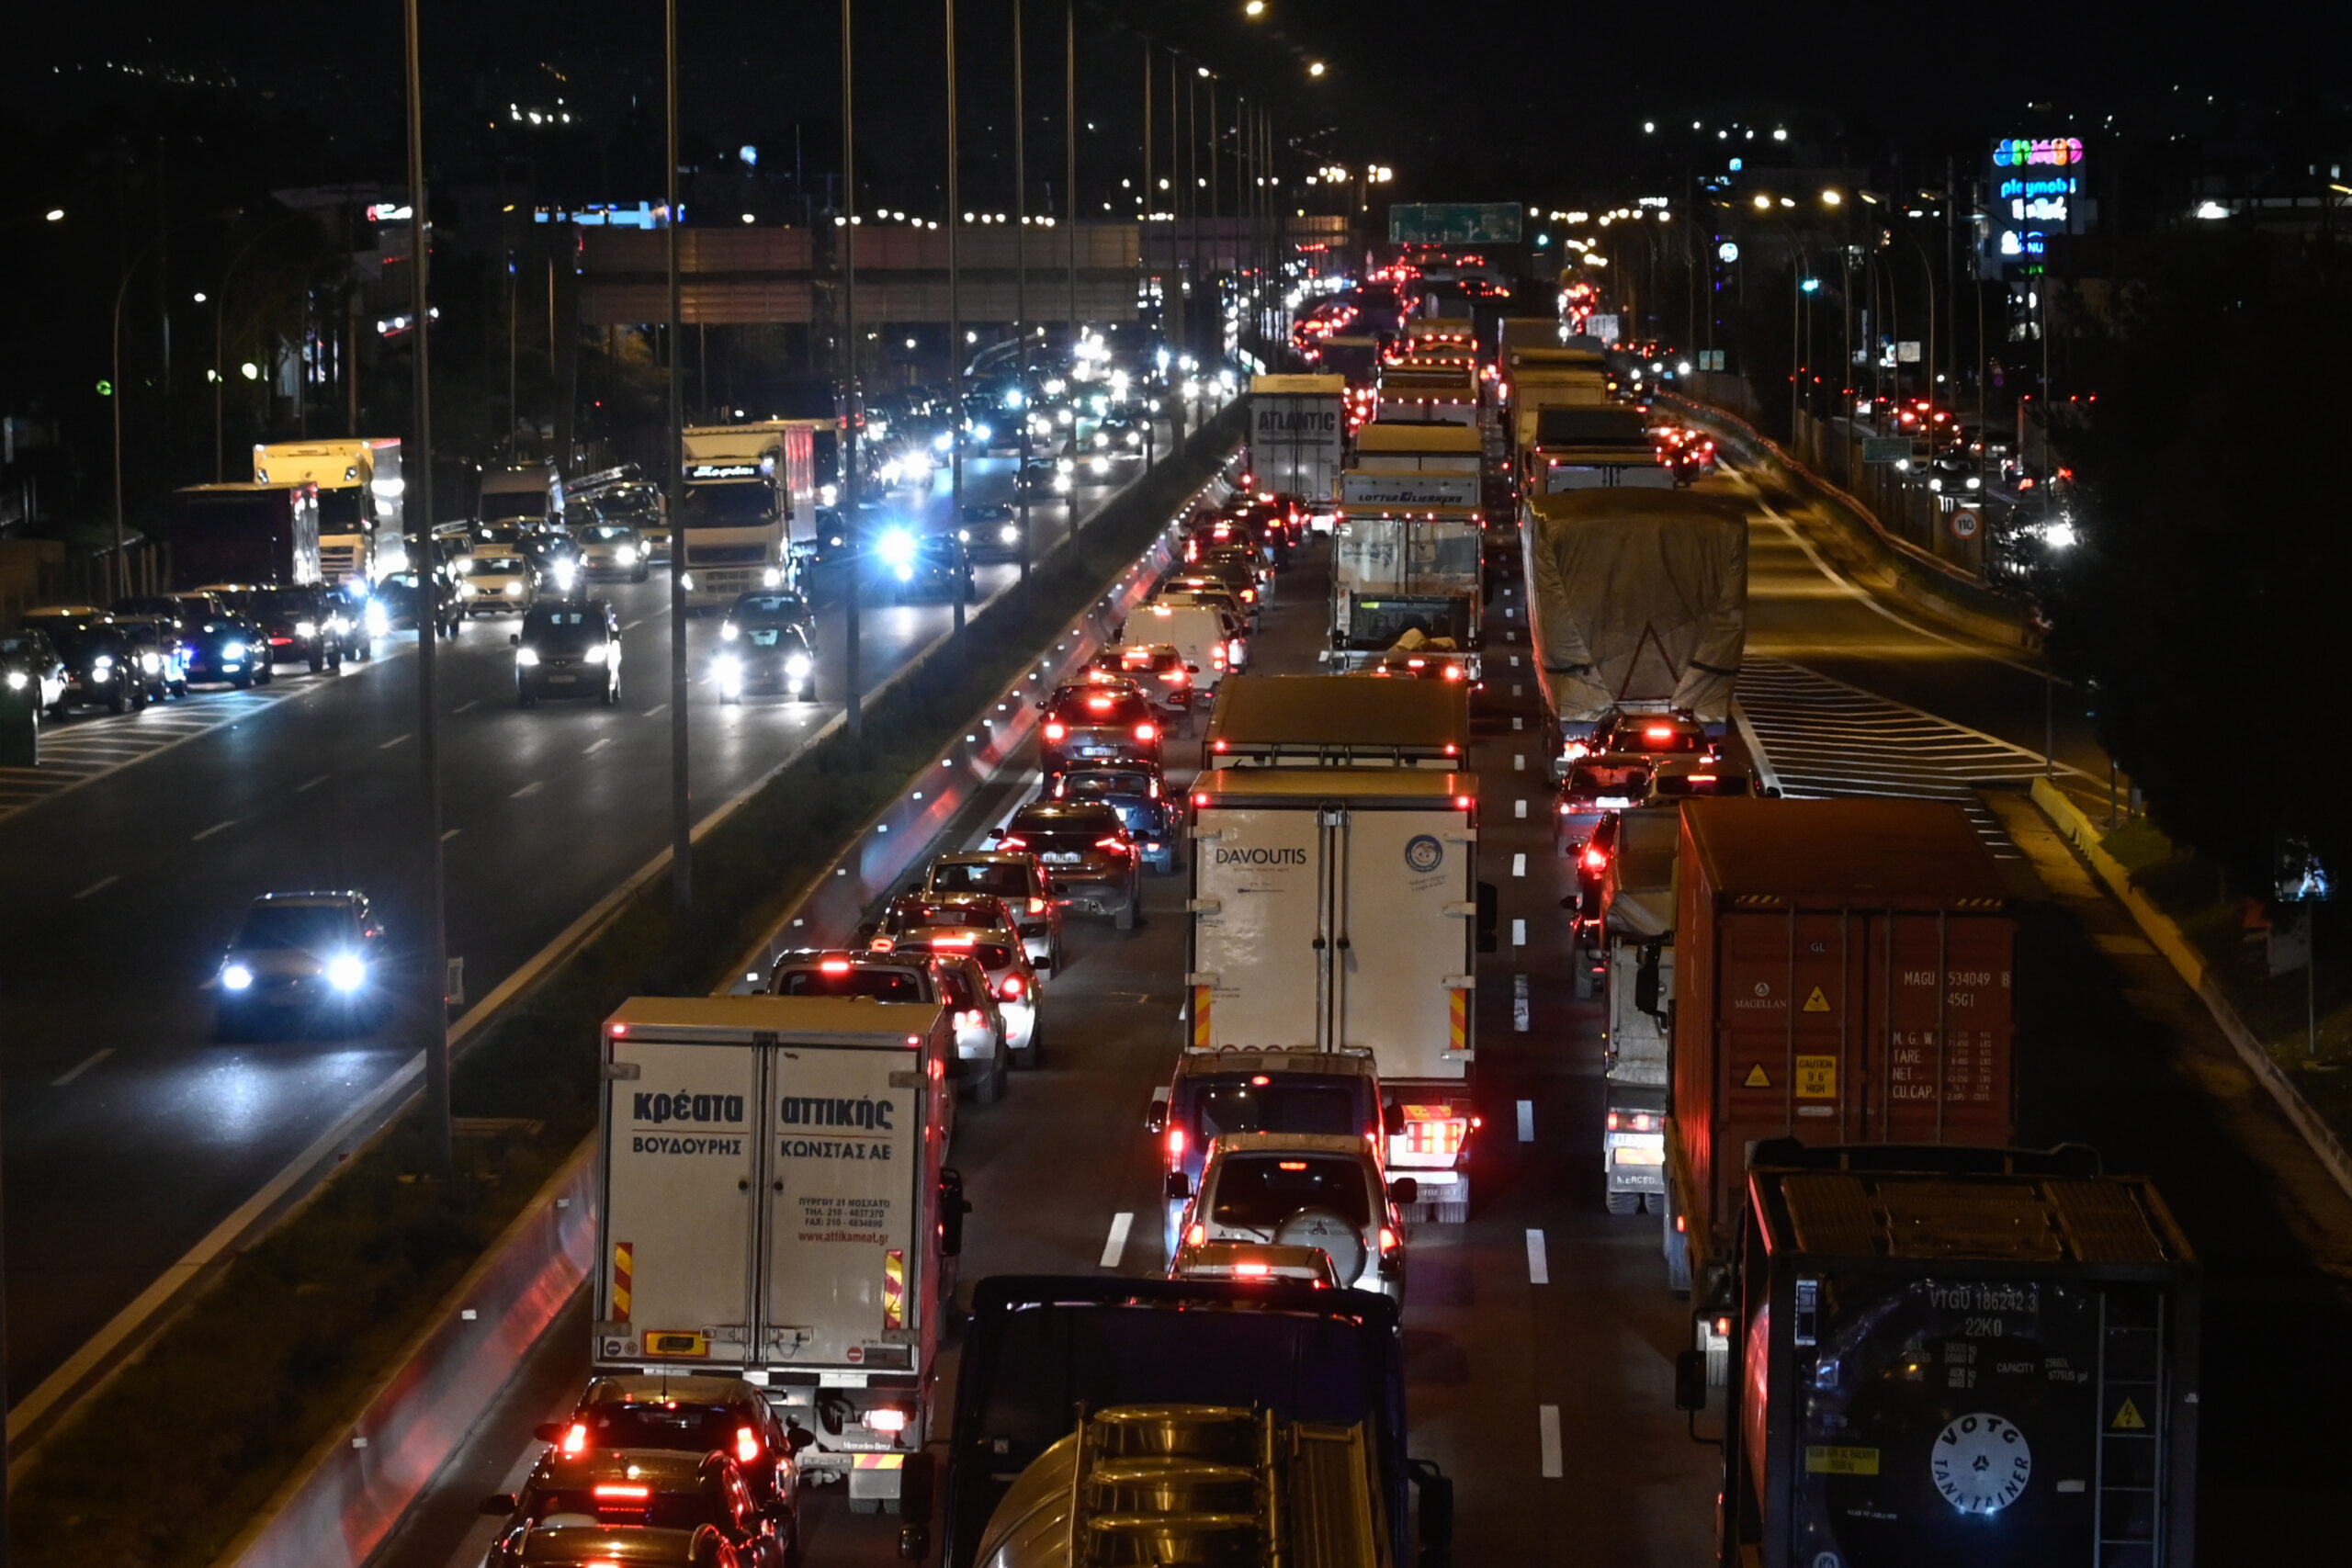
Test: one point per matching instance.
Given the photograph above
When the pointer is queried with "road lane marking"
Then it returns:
(632, 626)
(87, 1062)
(216, 828)
(100, 885)
(656, 710)
(307, 788)
(1519, 809)
(1539, 1266)
(1117, 1246)
(1526, 1121)
(1518, 761)
(532, 788)
(1517, 722)
(468, 706)
(451, 834)
(599, 746)
(1519, 933)
(395, 740)
(1519, 1011)
(1519, 865)
(1514, 661)
(1547, 1428)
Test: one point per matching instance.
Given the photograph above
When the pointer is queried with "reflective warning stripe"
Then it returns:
(893, 1289)
(1457, 1019)
(624, 1260)
(1200, 995)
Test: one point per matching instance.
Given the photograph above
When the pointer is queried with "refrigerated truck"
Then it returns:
(1337, 721)
(1956, 1357)
(263, 534)
(750, 519)
(1298, 439)
(1844, 975)
(1635, 935)
(359, 485)
(774, 1208)
(1337, 908)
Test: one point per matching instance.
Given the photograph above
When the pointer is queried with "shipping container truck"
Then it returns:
(1592, 449)
(1337, 908)
(1106, 1421)
(774, 1208)
(1448, 394)
(750, 519)
(265, 535)
(1635, 938)
(1947, 1358)
(1551, 376)
(1298, 439)
(1637, 600)
(361, 489)
(1334, 721)
(1418, 447)
(1843, 975)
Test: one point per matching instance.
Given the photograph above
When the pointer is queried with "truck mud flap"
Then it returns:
(1675, 1243)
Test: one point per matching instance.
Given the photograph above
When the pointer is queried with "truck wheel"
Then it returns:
(1624, 1203)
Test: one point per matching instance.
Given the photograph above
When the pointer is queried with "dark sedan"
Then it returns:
(567, 651)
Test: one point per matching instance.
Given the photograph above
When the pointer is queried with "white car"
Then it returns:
(496, 581)
(1318, 1190)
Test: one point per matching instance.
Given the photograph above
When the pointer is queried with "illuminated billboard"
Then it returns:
(2034, 190)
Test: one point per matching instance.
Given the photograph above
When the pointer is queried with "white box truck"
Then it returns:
(750, 508)
(774, 1209)
(1408, 555)
(1636, 934)
(1338, 907)
(360, 533)
(1298, 439)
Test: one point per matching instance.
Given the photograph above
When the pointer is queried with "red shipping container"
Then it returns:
(1842, 975)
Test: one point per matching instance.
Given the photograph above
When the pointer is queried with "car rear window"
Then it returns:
(693, 1429)
(662, 1510)
(882, 985)
(1103, 707)
(1236, 1105)
(1583, 780)
(1263, 1190)
(983, 876)
(1095, 781)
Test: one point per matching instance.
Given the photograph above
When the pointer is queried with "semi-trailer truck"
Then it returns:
(1636, 601)
(359, 489)
(1298, 439)
(1635, 935)
(1947, 1358)
(774, 1208)
(1339, 907)
(1592, 449)
(1331, 721)
(1844, 974)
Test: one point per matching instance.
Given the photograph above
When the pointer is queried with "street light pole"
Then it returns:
(682, 821)
(435, 989)
(956, 342)
(1021, 287)
(854, 539)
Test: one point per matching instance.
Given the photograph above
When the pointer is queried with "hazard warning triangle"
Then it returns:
(1756, 1078)
(2127, 1419)
(1817, 1002)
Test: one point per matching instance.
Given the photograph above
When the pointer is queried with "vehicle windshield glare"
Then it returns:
(769, 610)
(939, 916)
(302, 927)
(610, 533)
(1262, 1191)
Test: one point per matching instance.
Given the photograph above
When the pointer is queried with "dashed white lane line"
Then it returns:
(1114, 1249)
(216, 828)
(1519, 933)
(307, 787)
(1519, 865)
(657, 710)
(1518, 761)
(599, 746)
(1526, 1121)
(100, 885)
(451, 834)
(83, 1066)
(532, 788)
(466, 706)
(1519, 809)
(1539, 1265)
(396, 740)
(1547, 1430)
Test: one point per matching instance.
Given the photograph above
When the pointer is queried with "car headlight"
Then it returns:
(528, 658)
(1102, 464)
(771, 577)
(897, 546)
(103, 661)
(1009, 533)
(514, 589)
(306, 628)
(1936, 484)
(1135, 438)
(730, 672)
(982, 433)
(564, 573)
(18, 680)
(963, 536)
(463, 565)
(686, 580)
(467, 590)
(151, 662)
(378, 622)
(232, 651)
(729, 632)
(102, 671)
(347, 972)
(235, 977)
(1975, 483)
(798, 666)
(599, 652)
(828, 495)
(1061, 482)
(942, 442)
(626, 554)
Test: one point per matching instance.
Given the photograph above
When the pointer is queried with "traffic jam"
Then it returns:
(1458, 610)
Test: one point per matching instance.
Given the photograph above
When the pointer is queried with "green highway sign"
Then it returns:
(1456, 223)
(1885, 448)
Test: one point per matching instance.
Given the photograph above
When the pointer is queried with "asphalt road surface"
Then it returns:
(1539, 1336)
(131, 1132)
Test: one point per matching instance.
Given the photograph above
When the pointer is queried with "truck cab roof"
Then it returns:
(731, 1019)
(1337, 720)
(1406, 787)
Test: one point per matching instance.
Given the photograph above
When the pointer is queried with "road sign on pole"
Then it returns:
(1885, 448)
(1965, 522)
(1456, 223)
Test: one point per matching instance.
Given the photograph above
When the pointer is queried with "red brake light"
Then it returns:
(1658, 732)
(1146, 732)
(1036, 906)
(1012, 988)
(1175, 1143)
(621, 1491)
(747, 1445)
(1249, 1270)
(1451, 750)
(1259, 1081)
(1722, 1325)
(1292, 1163)
(1464, 802)
(619, 1029)
(1116, 844)
(575, 1437)
(833, 966)
(1217, 746)
(1612, 1121)
(1454, 672)
(1387, 1239)
(1098, 705)
(1596, 860)
(1056, 729)
(1011, 841)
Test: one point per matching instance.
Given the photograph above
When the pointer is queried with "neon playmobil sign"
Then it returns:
(2017, 152)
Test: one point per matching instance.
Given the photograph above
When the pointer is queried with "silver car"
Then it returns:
(1319, 1190)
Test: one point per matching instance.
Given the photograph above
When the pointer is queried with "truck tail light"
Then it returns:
(1217, 746)
(1429, 1130)
(887, 1418)
(747, 1445)
(1465, 802)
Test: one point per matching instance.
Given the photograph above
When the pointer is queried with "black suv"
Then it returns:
(1086, 851)
(101, 665)
(765, 643)
(299, 624)
(568, 649)
(695, 1415)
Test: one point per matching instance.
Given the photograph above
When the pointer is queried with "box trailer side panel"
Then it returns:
(1402, 946)
(1257, 884)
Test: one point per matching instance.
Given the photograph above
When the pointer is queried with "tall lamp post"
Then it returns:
(854, 539)
(1021, 287)
(682, 822)
(956, 341)
(436, 989)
